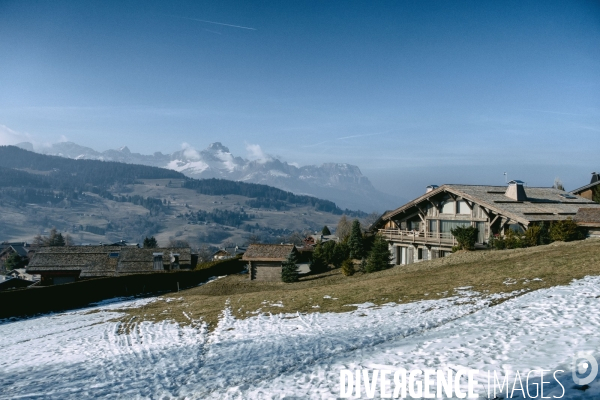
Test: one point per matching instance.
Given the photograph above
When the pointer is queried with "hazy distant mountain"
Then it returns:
(343, 184)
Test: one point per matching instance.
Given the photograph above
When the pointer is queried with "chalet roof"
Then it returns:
(230, 250)
(21, 250)
(586, 187)
(541, 204)
(93, 261)
(588, 217)
(268, 252)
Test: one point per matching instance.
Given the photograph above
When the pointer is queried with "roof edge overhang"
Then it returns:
(448, 188)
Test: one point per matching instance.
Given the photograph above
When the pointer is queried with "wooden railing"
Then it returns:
(418, 237)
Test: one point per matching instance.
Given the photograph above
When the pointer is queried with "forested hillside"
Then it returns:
(99, 201)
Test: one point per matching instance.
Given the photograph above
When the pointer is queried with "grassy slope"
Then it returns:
(486, 271)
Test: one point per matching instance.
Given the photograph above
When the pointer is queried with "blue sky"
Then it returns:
(413, 92)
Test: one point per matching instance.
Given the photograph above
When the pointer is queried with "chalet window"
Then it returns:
(433, 225)
(419, 254)
(415, 225)
(462, 208)
(448, 207)
(447, 226)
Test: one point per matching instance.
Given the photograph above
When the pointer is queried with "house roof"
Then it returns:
(93, 261)
(588, 217)
(541, 204)
(268, 252)
(19, 249)
(586, 187)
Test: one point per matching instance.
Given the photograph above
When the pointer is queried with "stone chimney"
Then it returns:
(430, 188)
(516, 191)
(595, 177)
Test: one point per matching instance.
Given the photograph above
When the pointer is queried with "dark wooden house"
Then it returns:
(265, 260)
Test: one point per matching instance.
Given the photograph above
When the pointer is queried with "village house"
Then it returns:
(265, 260)
(589, 219)
(421, 229)
(588, 190)
(58, 265)
(7, 249)
(228, 252)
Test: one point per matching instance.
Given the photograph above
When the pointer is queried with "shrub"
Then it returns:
(466, 236)
(379, 257)
(513, 239)
(348, 267)
(532, 235)
(289, 270)
(565, 231)
(497, 242)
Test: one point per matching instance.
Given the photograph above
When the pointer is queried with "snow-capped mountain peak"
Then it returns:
(339, 182)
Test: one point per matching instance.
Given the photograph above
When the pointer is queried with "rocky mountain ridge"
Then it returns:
(341, 183)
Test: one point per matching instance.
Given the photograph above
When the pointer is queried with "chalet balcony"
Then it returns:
(432, 238)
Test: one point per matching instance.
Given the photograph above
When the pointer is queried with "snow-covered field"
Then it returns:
(85, 354)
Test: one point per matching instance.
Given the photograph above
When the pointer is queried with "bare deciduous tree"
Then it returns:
(344, 228)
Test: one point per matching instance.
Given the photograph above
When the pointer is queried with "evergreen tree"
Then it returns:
(340, 253)
(319, 260)
(55, 238)
(15, 261)
(363, 265)
(328, 251)
(379, 258)
(325, 231)
(150, 242)
(355, 241)
(289, 270)
(348, 267)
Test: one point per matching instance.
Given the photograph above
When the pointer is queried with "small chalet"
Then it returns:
(265, 260)
(421, 229)
(58, 265)
(588, 190)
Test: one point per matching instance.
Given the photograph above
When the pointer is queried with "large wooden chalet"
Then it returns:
(421, 229)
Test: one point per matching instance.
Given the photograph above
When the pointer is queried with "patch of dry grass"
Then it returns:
(485, 271)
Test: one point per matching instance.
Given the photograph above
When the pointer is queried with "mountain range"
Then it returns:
(341, 183)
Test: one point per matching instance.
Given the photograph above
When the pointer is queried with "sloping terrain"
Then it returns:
(96, 201)
(110, 351)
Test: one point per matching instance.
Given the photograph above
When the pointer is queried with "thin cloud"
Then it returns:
(215, 23)
(347, 137)
(554, 112)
